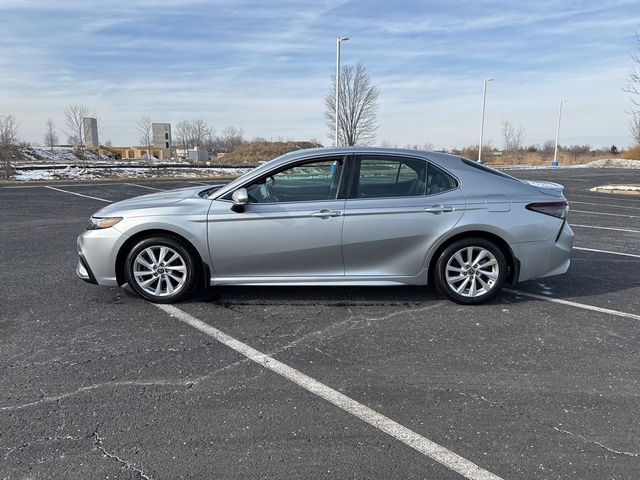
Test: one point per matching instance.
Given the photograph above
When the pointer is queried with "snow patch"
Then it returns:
(602, 163)
(79, 173)
(622, 188)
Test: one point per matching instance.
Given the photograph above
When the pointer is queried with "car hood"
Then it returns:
(154, 200)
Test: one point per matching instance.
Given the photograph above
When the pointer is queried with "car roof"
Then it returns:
(328, 151)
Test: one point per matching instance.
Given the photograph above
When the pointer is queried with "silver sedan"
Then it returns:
(347, 216)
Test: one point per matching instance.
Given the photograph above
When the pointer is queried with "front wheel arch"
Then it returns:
(203, 271)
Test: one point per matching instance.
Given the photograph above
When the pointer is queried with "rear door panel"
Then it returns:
(391, 236)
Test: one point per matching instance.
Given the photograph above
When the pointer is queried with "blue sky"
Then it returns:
(266, 65)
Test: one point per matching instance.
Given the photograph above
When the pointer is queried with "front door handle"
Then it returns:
(326, 213)
(439, 209)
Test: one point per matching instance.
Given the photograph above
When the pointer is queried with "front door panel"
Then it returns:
(278, 239)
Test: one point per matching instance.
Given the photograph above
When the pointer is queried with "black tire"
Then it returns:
(166, 275)
(467, 296)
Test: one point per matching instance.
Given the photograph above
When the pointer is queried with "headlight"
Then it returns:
(98, 223)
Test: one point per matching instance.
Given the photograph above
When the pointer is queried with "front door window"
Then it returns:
(308, 182)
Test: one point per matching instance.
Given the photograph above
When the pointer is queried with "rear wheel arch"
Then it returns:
(512, 262)
(126, 247)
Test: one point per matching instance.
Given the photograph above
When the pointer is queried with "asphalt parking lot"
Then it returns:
(542, 382)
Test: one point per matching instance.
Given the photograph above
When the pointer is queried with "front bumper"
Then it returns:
(97, 252)
(546, 258)
(83, 271)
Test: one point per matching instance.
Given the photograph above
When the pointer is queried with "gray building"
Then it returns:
(161, 133)
(198, 155)
(90, 126)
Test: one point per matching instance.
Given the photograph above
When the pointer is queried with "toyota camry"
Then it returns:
(340, 216)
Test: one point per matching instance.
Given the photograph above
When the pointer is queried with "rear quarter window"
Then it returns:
(439, 181)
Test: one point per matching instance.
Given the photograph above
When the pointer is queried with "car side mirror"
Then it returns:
(240, 198)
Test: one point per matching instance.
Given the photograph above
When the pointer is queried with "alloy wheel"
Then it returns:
(472, 272)
(160, 271)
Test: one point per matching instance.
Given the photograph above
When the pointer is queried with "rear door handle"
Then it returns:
(326, 213)
(439, 209)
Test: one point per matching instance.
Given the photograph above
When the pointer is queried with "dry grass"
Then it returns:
(633, 153)
(253, 154)
(536, 159)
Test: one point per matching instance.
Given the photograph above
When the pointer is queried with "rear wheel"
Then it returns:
(470, 271)
(161, 270)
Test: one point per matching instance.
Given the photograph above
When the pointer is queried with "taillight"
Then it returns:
(555, 209)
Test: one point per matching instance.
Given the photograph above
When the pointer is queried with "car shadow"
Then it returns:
(591, 274)
(333, 296)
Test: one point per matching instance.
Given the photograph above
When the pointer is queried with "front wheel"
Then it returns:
(470, 271)
(161, 270)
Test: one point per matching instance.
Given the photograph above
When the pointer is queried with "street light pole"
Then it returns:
(484, 101)
(555, 153)
(339, 40)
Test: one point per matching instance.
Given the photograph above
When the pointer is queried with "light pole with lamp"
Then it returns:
(484, 101)
(339, 40)
(555, 153)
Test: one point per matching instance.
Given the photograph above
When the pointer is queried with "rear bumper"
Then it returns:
(546, 258)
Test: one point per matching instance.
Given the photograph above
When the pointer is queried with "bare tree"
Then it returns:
(194, 133)
(182, 134)
(74, 115)
(387, 144)
(146, 133)
(425, 147)
(512, 138)
(635, 128)
(50, 136)
(200, 133)
(632, 87)
(506, 131)
(8, 139)
(231, 138)
(357, 119)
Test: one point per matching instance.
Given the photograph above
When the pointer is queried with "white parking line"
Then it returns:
(78, 194)
(605, 228)
(583, 306)
(145, 186)
(40, 185)
(603, 213)
(423, 445)
(605, 205)
(607, 251)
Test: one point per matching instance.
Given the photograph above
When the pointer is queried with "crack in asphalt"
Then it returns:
(595, 442)
(544, 424)
(143, 383)
(10, 450)
(87, 388)
(99, 445)
(607, 466)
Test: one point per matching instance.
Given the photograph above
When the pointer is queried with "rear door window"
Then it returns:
(381, 177)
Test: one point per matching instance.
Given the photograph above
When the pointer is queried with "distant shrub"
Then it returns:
(632, 154)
